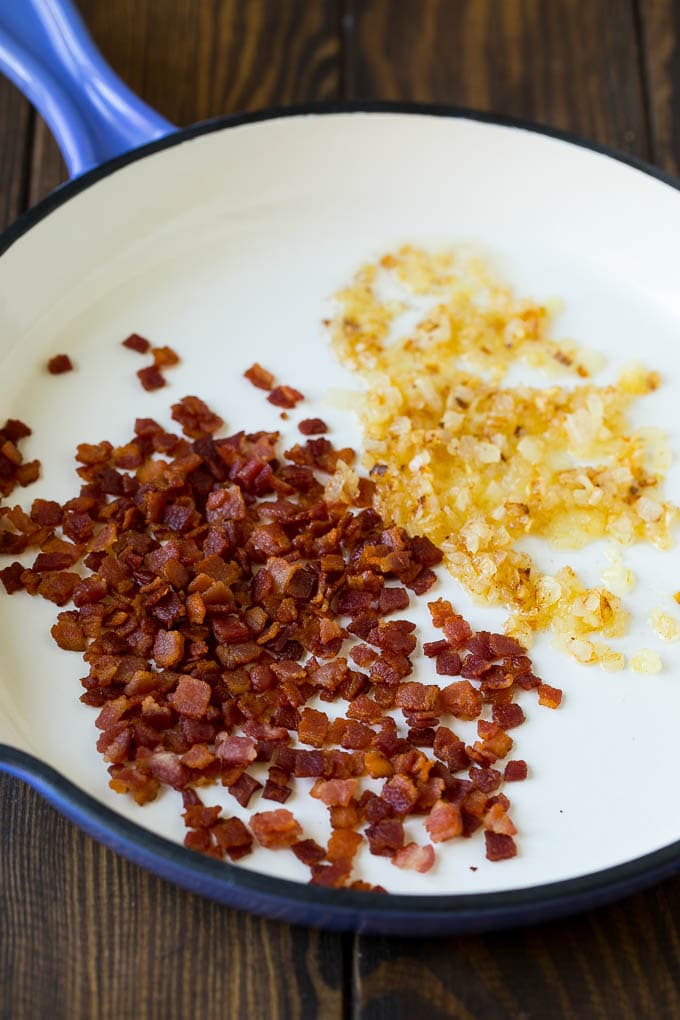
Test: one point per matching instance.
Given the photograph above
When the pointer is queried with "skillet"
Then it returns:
(225, 241)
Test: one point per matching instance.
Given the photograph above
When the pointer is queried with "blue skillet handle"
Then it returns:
(48, 53)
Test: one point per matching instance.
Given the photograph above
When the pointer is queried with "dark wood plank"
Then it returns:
(660, 36)
(87, 935)
(15, 119)
(194, 59)
(566, 63)
(619, 961)
(574, 66)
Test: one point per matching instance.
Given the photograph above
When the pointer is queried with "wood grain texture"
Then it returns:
(87, 935)
(566, 63)
(195, 59)
(659, 22)
(619, 961)
(15, 121)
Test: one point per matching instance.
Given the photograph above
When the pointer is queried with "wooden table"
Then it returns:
(84, 934)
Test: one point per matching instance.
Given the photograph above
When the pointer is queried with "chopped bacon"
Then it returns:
(462, 700)
(342, 846)
(549, 696)
(276, 829)
(235, 750)
(385, 837)
(285, 396)
(450, 749)
(502, 645)
(308, 852)
(11, 578)
(191, 697)
(59, 364)
(515, 771)
(164, 357)
(417, 697)
(508, 716)
(448, 663)
(334, 792)
(68, 633)
(151, 377)
(58, 587)
(244, 788)
(313, 727)
(199, 756)
(457, 631)
(499, 847)
(219, 588)
(260, 377)
(196, 418)
(400, 793)
(138, 343)
(168, 649)
(331, 876)
(414, 857)
(232, 837)
(313, 427)
(496, 819)
(444, 822)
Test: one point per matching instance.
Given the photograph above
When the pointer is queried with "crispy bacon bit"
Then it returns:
(515, 771)
(450, 749)
(313, 427)
(216, 579)
(59, 364)
(462, 700)
(232, 838)
(58, 587)
(199, 756)
(138, 343)
(342, 846)
(276, 829)
(549, 696)
(164, 357)
(308, 852)
(285, 396)
(385, 837)
(259, 377)
(68, 633)
(191, 698)
(416, 697)
(508, 716)
(331, 876)
(151, 378)
(444, 822)
(400, 793)
(457, 631)
(334, 792)
(11, 578)
(496, 819)
(313, 727)
(168, 648)
(502, 645)
(196, 418)
(13, 469)
(414, 857)
(499, 847)
(235, 750)
(448, 663)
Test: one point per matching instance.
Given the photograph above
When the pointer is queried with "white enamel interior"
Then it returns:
(227, 247)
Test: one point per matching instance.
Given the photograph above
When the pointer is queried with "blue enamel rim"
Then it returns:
(282, 899)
